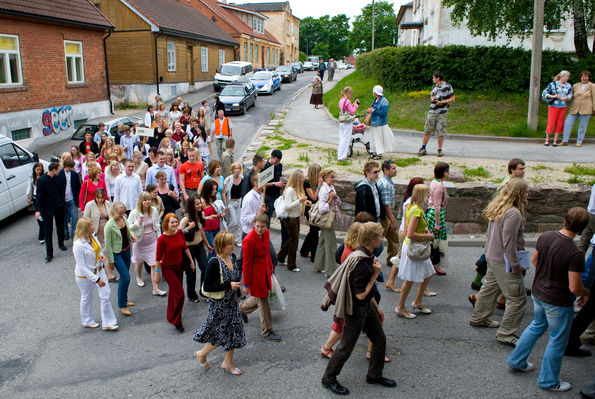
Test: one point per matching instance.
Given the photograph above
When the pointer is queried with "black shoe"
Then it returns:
(273, 337)
(475, 287)
(66, 237)
(528, 291)
(283, 289)
(63, 247)
(385, 382)
(180, 328)
(335, 387)
(48, 259)
(244, 317)
(578, 352)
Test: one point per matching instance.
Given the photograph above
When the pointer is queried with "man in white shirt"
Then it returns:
(127, 142)
(128, 186)
(160, 165)
(583, 244)
(252, 205)
(220, 132)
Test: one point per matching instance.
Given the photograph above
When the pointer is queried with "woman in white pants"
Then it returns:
(89, 272)
(345, 128)
(233, 189)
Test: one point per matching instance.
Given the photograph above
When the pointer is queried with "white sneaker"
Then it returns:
(140, 283)
(295, 269)
(159, 293)
(110, 328)
(530, 367)
(562, 386)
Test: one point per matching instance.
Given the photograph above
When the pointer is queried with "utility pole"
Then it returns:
(373, 18)
(534, 86)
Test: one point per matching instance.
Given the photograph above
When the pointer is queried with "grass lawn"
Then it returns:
(492, 114)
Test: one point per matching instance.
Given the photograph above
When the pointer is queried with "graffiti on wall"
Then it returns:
(56, 120)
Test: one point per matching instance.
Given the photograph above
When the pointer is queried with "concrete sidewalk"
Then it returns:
(302, 120)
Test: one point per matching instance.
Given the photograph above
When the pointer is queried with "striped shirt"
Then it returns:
(440, 93)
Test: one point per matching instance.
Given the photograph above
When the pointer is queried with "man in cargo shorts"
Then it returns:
(441, 96)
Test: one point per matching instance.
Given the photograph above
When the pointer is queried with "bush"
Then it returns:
(467, 68)
(302, 56)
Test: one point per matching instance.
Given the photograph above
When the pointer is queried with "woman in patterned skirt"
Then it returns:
(436, 214)
(224, 326)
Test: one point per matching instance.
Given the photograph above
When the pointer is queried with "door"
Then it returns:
(18, 165)
(262, 59)
(190, 64)
(6, 205)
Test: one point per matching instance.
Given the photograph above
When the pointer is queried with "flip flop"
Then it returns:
(114, 279)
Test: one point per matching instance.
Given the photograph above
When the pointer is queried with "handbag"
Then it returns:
(548, 91)
(419, 250)
(367, 120)
(217, 294)
(324, 221)
(345, 116)
(280, 207)
(435, 253)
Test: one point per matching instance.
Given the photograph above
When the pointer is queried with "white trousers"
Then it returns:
(235, 211)
(345, 130)
(381, 139)
(108, 318)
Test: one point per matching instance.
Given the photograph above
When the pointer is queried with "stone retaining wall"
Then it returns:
(546, 209)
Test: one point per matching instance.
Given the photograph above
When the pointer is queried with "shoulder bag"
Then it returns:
(419, 250)
(280, 207)
(324, 221)
(367, 120)
(345, 116)
(217, 294)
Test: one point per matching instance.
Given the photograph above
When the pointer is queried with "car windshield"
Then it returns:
(283, 69)
(80, 132)
(233, 91)
(261, 76)
(230, 70)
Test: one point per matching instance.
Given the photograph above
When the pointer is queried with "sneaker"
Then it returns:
(530, 367)
(295, 269)
(485, 323)
(421, 152)
(110, 328)
(563, 144)
(41, 242)
(273, 337)
(562, 386)
(510, 340)
(282, 262)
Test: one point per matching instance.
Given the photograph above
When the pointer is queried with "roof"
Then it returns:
(242, 9)
(280, 6)
(180, 19)
(78, 12)
(402, 12)
(236, 23)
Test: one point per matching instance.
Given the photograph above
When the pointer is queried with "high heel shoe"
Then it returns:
(421, 308)
(205, 365)
(235, 371)
(407, 315)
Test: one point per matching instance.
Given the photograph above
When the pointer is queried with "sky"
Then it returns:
(318, 8)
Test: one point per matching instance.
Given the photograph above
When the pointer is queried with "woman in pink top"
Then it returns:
(345, 128)
(436, 213)
(95, 180)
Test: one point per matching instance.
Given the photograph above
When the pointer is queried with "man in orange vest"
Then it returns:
(221, 132)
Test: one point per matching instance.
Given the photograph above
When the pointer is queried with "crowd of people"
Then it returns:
(171, 204)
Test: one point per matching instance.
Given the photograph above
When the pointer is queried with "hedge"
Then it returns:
(468, 68)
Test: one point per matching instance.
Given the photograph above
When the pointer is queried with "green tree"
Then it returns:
(311, 33)
(338, 37)
(495, 18)
(385, 29)
(303, 56)
(322, 50)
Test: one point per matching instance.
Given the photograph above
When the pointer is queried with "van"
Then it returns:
(315, 60)
(16, 166)
(232, 73)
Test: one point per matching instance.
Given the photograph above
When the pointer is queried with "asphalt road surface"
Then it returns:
(45, 353)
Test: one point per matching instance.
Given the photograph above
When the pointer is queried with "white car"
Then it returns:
(16, 166)
(308, 66)
(341, 65)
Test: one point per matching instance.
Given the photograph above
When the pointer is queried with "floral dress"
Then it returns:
(224, 326)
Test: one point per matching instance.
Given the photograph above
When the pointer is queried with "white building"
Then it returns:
(427, 22)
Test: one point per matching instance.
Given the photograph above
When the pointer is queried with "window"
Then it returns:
(268, 55)
(256, 53)
(77, 123)
(204, 59)
(258, 25)
(292, 28)
(75, 71)
(13, 156)
(251, 52)
(245, 51)
(21, 134)
(171, 57)
(221, 57)
(10, 61)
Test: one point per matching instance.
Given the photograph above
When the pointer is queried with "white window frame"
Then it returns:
(257, 25)
(171, 56)
(5, 56)
(221, 57)
(74, 73)
(204, 59)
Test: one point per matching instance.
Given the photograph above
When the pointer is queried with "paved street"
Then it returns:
(46, 353)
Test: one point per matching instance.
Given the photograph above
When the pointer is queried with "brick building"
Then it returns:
(52, 68)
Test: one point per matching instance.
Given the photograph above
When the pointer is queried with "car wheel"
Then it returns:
(254, 102)
(271, 91)
(244, 109)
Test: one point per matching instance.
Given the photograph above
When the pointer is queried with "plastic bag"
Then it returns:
(276, 298)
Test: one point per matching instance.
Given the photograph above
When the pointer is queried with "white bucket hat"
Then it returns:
(378, 90)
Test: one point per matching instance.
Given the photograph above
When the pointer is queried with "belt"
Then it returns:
(97, 270)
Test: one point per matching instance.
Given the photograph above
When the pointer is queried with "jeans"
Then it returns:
(71, 214)
(122, 264)
(582, 126)
(559, 320)
(210, 234)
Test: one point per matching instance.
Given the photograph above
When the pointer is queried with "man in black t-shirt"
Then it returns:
(558, 266)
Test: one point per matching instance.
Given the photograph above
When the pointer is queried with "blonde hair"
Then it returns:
(139, 204)
(352, 235)
(368, 231)
(511, 196)
(222, 240)
(64, 157)
(313, 173)
(294, 182)
(420, 194)
(346, 89)
(236, 165)
(84, 228)
(117, 207)
(114, 164)
(136, 153)
(326, 173)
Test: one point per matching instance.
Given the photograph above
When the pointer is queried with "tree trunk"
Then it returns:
(580, 32)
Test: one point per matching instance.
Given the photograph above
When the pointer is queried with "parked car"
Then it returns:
(350, 66)
(15, 169)
(238, 98)
(341, 65)
(298, 66)
(235, 72)
(315, 60)
(266, 81)
(308, 66)
(287, 73)
(111, 126)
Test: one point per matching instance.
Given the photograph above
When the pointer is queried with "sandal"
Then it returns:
(430, 293)
(114, 279)
(204, 364)
(326, 353)
(472, 298)
(547, 144)
(422, 308)
(392, 288)
(402, 313)
(369, 355)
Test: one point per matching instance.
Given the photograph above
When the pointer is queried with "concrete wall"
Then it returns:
(145, 93)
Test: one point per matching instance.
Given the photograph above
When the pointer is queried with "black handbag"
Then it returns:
(435, 254)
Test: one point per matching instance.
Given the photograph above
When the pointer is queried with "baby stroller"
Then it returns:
(357, 136)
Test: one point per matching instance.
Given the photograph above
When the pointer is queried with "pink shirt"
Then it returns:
(437, 198)
(345, 105)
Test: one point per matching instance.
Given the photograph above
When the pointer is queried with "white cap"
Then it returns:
(378, 90)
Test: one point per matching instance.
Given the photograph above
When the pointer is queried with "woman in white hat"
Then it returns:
(381, 136)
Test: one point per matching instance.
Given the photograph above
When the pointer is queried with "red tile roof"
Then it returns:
(181, 19)
(236, 23)
(79, 12)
